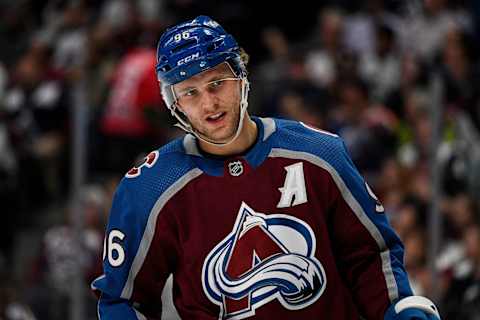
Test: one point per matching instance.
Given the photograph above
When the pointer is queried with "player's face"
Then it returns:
(211, 101)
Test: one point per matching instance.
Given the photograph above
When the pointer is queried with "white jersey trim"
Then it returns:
(190, 145)
(169, 312)
(269, 127)
(96, 279)
(139, 315)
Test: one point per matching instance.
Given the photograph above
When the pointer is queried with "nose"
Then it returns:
(209, 101)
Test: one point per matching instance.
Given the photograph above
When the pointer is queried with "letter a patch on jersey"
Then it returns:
(293, 189)
(265, 257)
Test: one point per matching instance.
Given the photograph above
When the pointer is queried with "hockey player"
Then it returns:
(254, 217)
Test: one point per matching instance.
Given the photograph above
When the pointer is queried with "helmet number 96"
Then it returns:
(179, 36)
(113, 249)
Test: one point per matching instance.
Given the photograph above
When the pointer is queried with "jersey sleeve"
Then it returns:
(368, 252)
(134, 271)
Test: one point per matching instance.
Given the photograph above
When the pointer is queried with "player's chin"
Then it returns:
(222, 136)
(225, 138)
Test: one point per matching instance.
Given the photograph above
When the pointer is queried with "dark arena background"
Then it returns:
(399, 81)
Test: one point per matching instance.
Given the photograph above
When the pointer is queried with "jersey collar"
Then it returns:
(213, 165)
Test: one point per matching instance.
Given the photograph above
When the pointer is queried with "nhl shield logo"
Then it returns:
(235, 168)
(265, 257)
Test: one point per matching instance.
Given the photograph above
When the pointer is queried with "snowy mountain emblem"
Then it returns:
(265, 257)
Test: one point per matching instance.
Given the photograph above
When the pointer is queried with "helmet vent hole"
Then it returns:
(211, 47)
(218, 42)
(165, 68)
(183, 46)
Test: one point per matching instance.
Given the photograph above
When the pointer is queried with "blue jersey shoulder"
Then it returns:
(160, 169)
(300, 137)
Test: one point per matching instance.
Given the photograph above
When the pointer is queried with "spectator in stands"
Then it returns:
(381, 68)
(462, 300)
(36, 106)
(323, 60)
(131, 121)
(56, 264)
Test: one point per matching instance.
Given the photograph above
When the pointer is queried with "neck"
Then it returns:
(245, 139)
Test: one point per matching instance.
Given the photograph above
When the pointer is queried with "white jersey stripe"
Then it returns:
(139, 315)
(269, 127)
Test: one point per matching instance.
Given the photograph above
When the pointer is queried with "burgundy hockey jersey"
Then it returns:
(289, 230)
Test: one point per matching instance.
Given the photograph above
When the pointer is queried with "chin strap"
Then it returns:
(185, 125)
(414, 307)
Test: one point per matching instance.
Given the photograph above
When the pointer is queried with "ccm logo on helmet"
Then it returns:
(188, 58)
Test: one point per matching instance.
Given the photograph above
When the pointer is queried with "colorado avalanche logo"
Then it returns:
(265, 257)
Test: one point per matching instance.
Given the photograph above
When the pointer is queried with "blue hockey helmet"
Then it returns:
(190, 48)
(195, 46)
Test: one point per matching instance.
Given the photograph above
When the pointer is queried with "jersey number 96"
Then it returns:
(113, 249)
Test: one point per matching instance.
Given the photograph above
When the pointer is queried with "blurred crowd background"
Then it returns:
(362, 69)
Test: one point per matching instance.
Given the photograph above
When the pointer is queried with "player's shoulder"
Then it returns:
(298, 136)
(158, 171)
(296, 140)
(165, 161)
(302, 128)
